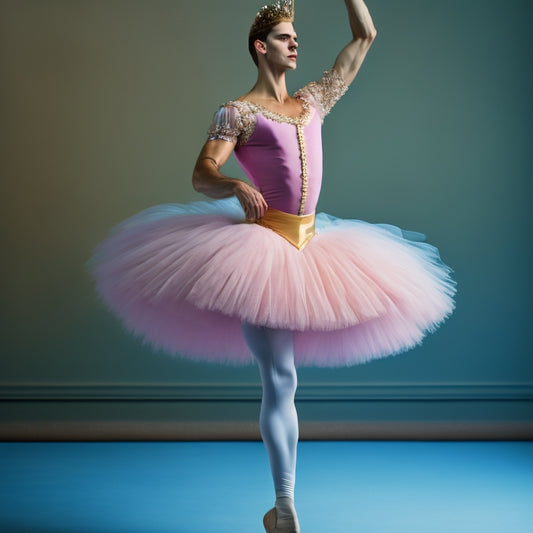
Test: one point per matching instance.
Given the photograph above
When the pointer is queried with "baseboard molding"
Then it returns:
(249, 431)
(322, 391)
(82, 412)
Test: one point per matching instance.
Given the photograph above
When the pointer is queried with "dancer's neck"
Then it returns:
(270, 86)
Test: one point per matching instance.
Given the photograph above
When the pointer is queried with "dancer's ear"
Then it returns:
(260, 47)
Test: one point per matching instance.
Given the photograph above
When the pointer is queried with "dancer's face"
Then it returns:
(281, 44)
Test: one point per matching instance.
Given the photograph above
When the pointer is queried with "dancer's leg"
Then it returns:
(278, 420)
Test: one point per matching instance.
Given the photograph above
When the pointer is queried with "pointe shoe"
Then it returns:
(270, 519)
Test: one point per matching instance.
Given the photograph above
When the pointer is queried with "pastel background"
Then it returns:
(103, 108)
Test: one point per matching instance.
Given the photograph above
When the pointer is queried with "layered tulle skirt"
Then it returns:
(184, 278)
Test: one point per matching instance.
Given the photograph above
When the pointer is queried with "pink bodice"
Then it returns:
(282, 155)
(272, 161)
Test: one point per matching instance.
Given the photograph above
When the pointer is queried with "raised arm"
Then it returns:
(208, 179)
(352, 55)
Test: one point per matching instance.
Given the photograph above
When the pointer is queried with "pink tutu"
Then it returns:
(184, 278)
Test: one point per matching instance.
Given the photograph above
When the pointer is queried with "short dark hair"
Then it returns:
(262, 35)
(254, 36)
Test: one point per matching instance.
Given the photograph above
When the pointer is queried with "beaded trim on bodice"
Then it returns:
(302, 120)
(236, 120)
(249, 110)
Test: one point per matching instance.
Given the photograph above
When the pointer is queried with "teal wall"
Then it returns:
(104, 107)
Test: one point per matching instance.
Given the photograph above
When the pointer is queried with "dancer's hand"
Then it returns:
(251, 200)
(208, 180)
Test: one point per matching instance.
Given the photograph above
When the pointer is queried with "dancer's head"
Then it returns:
(269, 17)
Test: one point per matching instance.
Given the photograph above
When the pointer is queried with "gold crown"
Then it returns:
(280, 11)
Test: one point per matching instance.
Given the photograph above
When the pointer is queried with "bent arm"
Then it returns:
(353, 54)
(207, 179)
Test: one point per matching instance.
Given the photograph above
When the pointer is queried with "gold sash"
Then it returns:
(298, 230)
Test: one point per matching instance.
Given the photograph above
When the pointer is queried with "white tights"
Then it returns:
(278, 421)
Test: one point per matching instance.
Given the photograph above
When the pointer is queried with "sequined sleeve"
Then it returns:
(233, 122)
(225, 125)
(324, 93)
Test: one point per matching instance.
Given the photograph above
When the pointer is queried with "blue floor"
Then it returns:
(367, 487)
